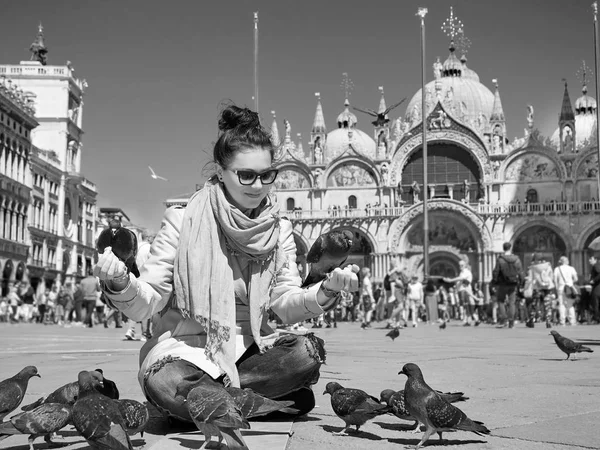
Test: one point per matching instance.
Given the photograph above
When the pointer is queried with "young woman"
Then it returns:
(215, 268)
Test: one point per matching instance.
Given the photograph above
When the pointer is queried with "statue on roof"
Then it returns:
(38, 48)
(437, 69)
(530, 116)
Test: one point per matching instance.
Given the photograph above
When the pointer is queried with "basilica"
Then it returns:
(540, 194)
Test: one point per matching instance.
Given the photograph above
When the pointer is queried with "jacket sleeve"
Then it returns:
(496, 272)
(150, 293)
(289, 301)
(596, 279)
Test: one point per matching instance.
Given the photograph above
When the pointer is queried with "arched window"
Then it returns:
(290, 204)
(532, 196)
(352, 202)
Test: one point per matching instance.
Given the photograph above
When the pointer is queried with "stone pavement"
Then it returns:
(517, 381)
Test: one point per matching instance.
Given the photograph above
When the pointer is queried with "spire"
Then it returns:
(382, 106)
(300, 147)
(319, 122)
(497, 111)
(566, 111)
(275, 131)
(38, 48)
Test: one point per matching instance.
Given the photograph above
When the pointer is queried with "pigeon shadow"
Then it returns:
(352, 432)
(564, 359)
(395, 426)
(188, 443)
(307, 419)
(435, 442)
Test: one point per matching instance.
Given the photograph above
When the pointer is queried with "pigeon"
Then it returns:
(65, 395)
(568, 346)
(530, 323)
(108, 387)
(156, 177)
(215, 413)
(431, 409)
(252, 404)
(329, 251)
(396, 401)
(41, 421)
(136, 415)
(443, 326)
(98, 418)
(353, 406)
(394, 333)
(12, 390)
(123, 243)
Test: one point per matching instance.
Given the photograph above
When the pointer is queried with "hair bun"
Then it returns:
(234, 116)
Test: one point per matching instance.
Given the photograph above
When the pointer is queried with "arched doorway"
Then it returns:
(443, 264)
(540, 240)
(6, 273)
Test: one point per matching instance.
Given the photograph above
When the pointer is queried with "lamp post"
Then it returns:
(422, 12)
(596, 57)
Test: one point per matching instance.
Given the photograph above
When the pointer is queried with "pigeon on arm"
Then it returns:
(431, 409)
(44, 420)
(215, 413)
(12, 390)
(353, 406)
(329, 251)
(568, 346)
(98, 418)
(122, 242)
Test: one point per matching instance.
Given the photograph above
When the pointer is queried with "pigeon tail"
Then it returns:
(233, 438)
(33, 405)
(473, 426)
(7, 429)
(585, 349)
(453, 397)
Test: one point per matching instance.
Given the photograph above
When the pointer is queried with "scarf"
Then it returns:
(204, 289)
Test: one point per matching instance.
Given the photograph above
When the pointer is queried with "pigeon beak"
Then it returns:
(38, 375)
(401, 372)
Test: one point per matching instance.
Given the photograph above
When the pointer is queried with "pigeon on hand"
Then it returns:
(329, 251)
(568, 346)
(398, 404)
(136, 416)
(394, 333)
(41, 421)
(108, 387)
(98, 418)
(215, 413)
(431, 409)
(353, 406)
(12, 390)
(123, 243)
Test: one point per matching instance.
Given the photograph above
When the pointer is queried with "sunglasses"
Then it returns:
(248, 177)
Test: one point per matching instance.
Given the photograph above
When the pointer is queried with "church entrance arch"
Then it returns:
(540, 240)
(444, 264)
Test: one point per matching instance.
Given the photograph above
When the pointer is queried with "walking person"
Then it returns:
(595, 294)
(542, 278)
(367, 300)
(77, 314)
(565, 279)
(431, 301)
(463, 283)
(414, 299)
(216, 266)
(89, 290)
(507, 277)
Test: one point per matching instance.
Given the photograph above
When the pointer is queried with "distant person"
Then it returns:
(595, 295)
(507, 277)
(367, 299)
(89, 289)
(565, 279)
(464, 289)
(542, 279)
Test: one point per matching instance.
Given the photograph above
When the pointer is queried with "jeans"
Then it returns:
(285, 372)
(507, 294)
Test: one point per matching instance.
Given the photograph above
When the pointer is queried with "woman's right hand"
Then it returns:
(110, 268)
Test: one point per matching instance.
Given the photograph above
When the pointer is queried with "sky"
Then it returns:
(158, 72)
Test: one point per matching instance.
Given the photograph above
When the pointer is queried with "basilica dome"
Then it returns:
(458, 89)
(339, 140)
(585, 121)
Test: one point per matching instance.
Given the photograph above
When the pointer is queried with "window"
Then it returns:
(532, 196)
(290, 204)
(352, 202)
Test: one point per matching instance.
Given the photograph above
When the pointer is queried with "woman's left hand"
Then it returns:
(343, 279)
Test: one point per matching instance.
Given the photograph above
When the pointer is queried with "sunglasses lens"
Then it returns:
(246, 176)
(269, 176)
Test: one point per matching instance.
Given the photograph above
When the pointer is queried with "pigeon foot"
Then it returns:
(340, 433)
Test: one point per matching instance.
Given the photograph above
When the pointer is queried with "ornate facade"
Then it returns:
(483, 190)
(55, 213)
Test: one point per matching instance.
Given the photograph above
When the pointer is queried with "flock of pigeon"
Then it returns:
(92, 405)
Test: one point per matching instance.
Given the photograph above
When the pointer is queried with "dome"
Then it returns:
(585, 104)
(339, 140)
(346, 118)
(456, 86)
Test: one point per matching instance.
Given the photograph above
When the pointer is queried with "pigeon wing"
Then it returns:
(135, 414)
(45, 419)
(252, 404)
(441, 413)
(125, 248)
(214, 405)
(11, 396)
(399, 406)
(67, 394)
(104, 240)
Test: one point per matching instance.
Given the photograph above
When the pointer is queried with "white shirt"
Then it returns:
(564, 275)
(415, 292)
(467, 275)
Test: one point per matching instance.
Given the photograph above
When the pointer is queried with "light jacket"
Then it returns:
(177, 337)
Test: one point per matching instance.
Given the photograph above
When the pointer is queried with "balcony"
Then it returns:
(484, 209)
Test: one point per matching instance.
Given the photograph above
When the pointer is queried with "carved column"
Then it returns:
(431, 188)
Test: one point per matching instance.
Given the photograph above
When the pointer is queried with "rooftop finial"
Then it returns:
(463, 43)
(318, 95)
(347, 85)
(495, 81)
(273, 114)
(381, 89)
(452, 27)
(38, 48)
(583, 74)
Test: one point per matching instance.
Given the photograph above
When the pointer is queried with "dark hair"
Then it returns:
(506, 246)
(238, 128)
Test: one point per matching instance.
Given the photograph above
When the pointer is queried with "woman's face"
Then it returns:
(255, 159)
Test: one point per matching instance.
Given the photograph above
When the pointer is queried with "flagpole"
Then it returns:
(256, 61)
(421, 13)
(596, 58)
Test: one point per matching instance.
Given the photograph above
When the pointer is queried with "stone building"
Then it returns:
(61, 215)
